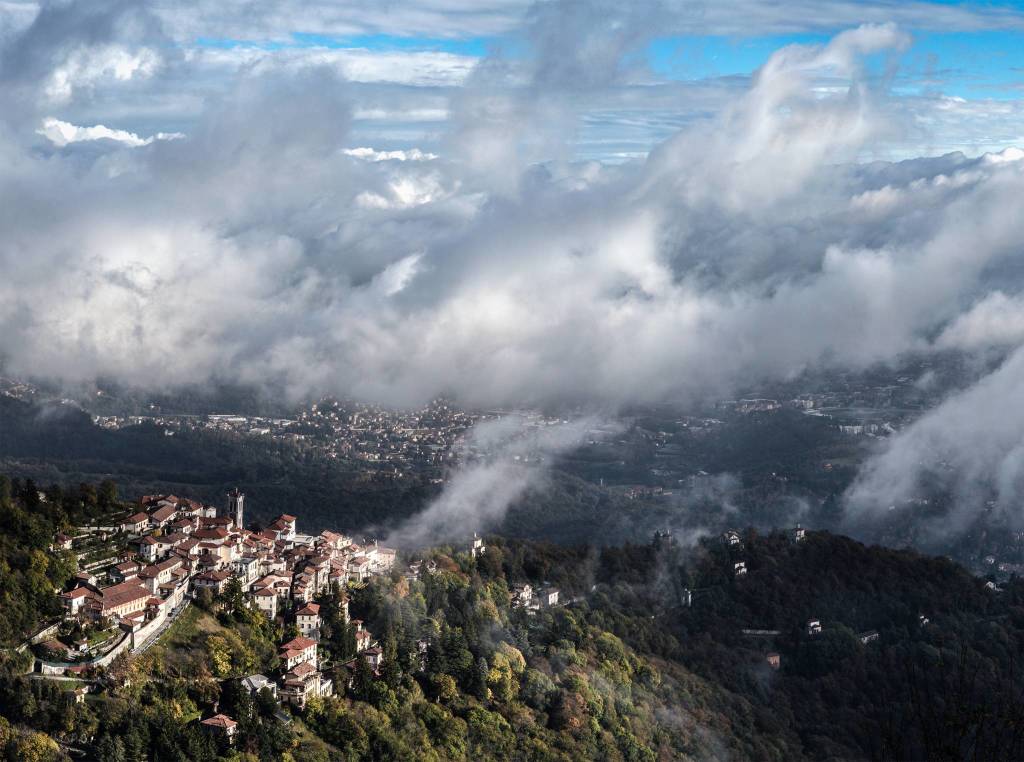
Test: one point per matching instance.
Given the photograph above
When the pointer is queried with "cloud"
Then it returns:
(263, 248)
(971, 446)
(997, 320)
(503, 459)
(64, 133)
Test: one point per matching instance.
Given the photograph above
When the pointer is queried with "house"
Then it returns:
(162, 516)
(374, 656)
(799, 534)
(774, 660)
(359, 569)
(297, 651)
(477, 547)
(868, 636)
(125, 571)
(283, 527)
(222, 725)
(74, 600)
(308, 619)
(547, 597)
(266, 601)
(813, 626)
(304, 682)
(247, 568)
(213, 580)
(363, 640)
(136, 523)
(255, 683)
(149, 549)
(522, 595)
(739, 568)
(61, 542)
(158, 574)
(731, 538)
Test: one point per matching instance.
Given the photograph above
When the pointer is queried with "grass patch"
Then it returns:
(188, 627)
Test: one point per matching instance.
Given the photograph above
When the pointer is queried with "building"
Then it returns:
(135, 524)
(213, 580)
(813, 626)
(298, 651)
(75, 600)
(118, 601)
(222, 725)
(283, 527)
(125, 571)
(774, 660)
(739, 568)
(547, 597)
(477, 547)
(255, 683)
(266, 601)
(303, 682)
(522, 595)
(236, 503)
(162, 516)
(308, 620)
(799, 534)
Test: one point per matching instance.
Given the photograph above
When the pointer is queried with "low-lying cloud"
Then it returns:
(502, 460)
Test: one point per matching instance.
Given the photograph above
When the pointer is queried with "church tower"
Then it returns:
(235, 502)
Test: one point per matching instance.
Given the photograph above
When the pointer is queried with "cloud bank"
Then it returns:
(273, 244)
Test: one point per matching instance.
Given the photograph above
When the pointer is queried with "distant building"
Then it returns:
(869, 636)
(731, 538)
(739, 568)
(813, 626)
(774, 660)
(799, 534)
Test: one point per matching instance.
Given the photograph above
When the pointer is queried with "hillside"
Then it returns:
(651, 652)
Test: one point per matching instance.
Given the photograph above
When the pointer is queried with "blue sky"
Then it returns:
(959, 85)
(963, 63)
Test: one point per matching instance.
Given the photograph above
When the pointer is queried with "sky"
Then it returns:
(519, 203)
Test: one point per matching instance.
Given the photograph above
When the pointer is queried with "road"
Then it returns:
(171, 618)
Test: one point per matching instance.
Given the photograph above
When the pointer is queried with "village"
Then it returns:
(139, 574)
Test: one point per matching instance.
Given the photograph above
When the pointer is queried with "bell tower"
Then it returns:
(236, 499)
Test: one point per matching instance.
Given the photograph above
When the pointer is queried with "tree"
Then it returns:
(107, 494)
(233, 596)
(110, 749)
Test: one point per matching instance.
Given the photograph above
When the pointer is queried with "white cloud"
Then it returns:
(64, 133)
(86, 67)
(369, 154)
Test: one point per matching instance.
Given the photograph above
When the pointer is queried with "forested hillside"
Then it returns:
(653, 652)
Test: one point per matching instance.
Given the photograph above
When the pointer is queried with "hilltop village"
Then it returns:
(176, 549)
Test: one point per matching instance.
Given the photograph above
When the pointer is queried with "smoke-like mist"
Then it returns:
(502, 460)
